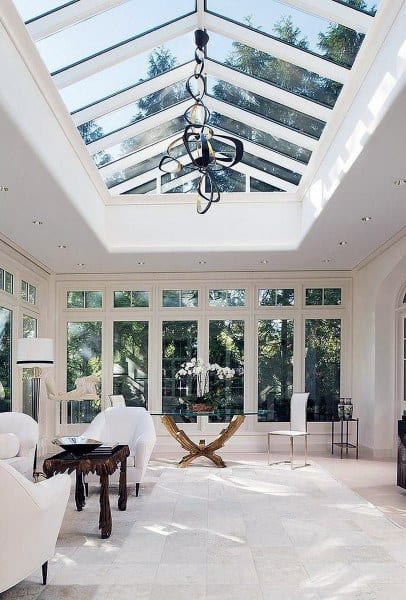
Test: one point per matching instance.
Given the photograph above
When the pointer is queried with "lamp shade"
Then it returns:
(35, 352)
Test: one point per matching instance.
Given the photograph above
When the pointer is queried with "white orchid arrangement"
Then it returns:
(197, 368)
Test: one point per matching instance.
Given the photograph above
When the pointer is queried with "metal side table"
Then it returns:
(344, 442)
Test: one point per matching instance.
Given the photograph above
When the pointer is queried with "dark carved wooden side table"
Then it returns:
(101, 464)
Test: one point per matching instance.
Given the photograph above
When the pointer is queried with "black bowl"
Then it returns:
(78, 445)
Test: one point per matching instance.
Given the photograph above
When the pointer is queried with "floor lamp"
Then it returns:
(35, 354)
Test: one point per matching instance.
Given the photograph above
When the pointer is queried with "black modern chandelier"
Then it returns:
(199, 138)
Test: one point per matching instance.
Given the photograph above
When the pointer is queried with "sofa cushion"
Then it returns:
(9, 445)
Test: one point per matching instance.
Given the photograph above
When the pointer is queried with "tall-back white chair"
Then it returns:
(298, 425)
(117, 400)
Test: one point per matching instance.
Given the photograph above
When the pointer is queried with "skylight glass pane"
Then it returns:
(268, 109)
(30, 9)
(256, 185)
(145, 139)
(144, 188)
(368, 6)
(115, 26)
(293, 26)
(129, 73)
(143, 108)
(273, 70)
(185, 186)
(271, 168)
(260, 137)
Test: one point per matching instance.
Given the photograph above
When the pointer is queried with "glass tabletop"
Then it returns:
(213, 413)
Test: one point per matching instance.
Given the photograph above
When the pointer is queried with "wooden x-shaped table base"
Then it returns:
(200, 449)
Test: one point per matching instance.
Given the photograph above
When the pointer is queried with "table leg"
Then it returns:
(356, 455)
(332, 437)
(105, 512)
(122, 486)
(346, 445)
(79, 491)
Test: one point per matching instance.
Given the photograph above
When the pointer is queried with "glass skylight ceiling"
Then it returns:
(275, 70)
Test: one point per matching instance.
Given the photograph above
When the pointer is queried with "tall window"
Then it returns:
(179, 344)
(130, 361)
(30, 330)
(275, 368)
(226, 348)
(84, 352)
(404, 359)
(322, 366)
(5, 359)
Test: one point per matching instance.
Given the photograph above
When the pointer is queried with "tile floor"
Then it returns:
(246, 532)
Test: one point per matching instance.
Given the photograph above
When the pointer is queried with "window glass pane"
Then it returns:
(1, 279)
(293, 26)
(268, 109)
(30, 330)
(229, 180)
(225, 298)
(275, 368)
(226, 348)
(171, 298)
(285, 297)
(180, 184)
(129, 73)
(84, 352)
(332, 295)
(276, 297)
(267, 297)
(122, 299)
(9, 282)
(271, 168)
(107, 29)
(179, 344)
(130, 361)
(5, 358)
(260, 186)
(32, 294)
(75, 300)
(322, 367)
(180, 298)
(93, 299)
(29, 9)
(30, 325)
(260, 137)
(189, 298)
(24, 290)
(140, 299)
(314, 296)
(273, 70)
(367, 6)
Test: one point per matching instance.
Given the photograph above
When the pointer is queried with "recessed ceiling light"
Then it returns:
(326, 260)
(263, 261)
(37, 222)
(80, 264)
(343, 243)
(202, 262)
(399, 182)
(140, 262)
(366, 219)
(62, 246)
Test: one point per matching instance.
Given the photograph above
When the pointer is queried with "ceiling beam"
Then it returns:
(51, 23)
(336, 12)
(140, 90)
(276, 48)
(123, 51)
(267, 90)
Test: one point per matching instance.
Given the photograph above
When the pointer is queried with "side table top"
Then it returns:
(102, 463)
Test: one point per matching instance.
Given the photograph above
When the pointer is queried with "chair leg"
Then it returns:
(137, 489)
(269, 449)
(305, 437)
(44, 573)
(291, 452)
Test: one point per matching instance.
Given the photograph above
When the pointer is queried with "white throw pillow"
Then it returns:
(9, 445)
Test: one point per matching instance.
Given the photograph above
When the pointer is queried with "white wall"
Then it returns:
(376, 290)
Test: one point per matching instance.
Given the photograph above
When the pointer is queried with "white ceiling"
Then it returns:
(234, 235)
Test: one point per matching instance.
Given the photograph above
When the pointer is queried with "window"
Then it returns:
(84, 299)
(6, 281)
(131, 299)
(179, 344)
(84, 352)
(130, 361)
(30, 330)
(28, 292)
(30, 327)
(404, 359)
(275, 368)
(227, 298)
(226, 348)
(276, 297)
(322, 367)
(323, 296)
(5, 358)
(180, 298)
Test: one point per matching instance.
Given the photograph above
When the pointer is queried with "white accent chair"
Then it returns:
(298, 426)
(130, 425)
(26, 429)
(30, 519)
(117, 400)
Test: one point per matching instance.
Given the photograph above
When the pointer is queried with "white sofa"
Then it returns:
(26, 429)
(127, 425)
(30, 519)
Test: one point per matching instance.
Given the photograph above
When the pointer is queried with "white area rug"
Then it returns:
(245, 532)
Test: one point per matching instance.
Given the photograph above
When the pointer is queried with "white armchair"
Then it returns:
(30, 519)
(127, 425)
(26, 429)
